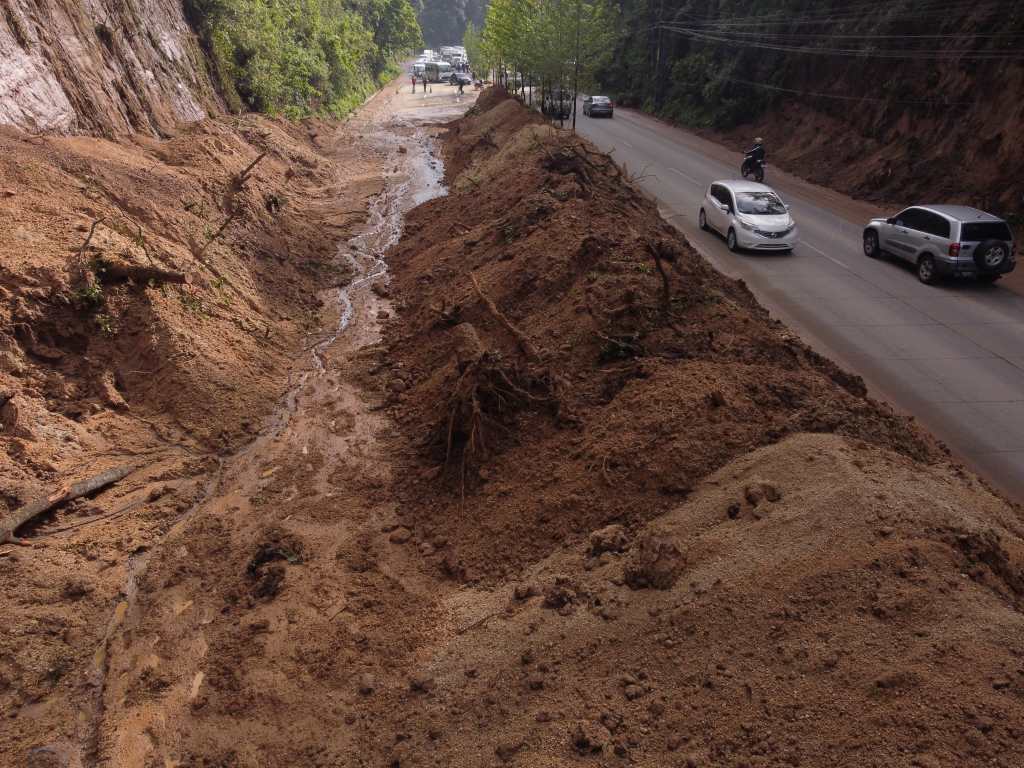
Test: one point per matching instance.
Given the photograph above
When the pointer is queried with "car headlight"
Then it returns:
(745, 224)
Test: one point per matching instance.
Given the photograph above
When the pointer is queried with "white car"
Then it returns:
(750, 216)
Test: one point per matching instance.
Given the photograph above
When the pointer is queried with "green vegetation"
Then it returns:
(552, 43)
(303, 57)
(721, 63)
(89, 297)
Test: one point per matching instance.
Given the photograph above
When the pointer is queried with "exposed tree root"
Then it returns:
(479, 409)
(525, 345)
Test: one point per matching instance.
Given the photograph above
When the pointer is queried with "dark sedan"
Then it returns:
(461, 77)
(598, 106)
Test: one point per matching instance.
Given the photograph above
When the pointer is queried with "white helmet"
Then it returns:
(759, 140)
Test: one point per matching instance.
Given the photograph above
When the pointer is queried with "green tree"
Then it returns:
(302, 57)
(559, 43)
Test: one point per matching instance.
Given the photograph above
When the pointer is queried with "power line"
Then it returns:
(843, 97)
(847, 13)
(923, 54)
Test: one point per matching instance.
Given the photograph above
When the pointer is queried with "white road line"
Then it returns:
(817, 250)
(688, 178)
(628, 144)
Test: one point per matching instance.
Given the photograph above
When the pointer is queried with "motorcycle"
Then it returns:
(752, 167)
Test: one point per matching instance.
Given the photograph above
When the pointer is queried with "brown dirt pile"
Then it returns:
(621, 369)
(160, 341)
(694, 541)
(691, 541)
(815, 602)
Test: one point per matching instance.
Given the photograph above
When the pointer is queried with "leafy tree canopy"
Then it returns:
(302, 57)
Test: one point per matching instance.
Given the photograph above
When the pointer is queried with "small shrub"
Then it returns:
(89, 297)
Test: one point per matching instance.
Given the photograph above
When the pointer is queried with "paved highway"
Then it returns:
(951, 355)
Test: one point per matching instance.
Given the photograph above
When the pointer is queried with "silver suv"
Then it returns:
(944, 240)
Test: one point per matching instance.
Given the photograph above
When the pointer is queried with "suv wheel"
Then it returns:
(926, 269)
(871, 247)
(991, 255)
(730, 240)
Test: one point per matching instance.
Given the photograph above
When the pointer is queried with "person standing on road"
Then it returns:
(414, 83)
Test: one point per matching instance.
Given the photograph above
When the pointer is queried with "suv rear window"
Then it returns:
(984, 230)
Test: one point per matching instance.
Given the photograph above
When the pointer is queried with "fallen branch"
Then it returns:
(140, 238)
(244, 175)
(88, 239)
(525, 345)
(63, 495)
(658, 251)
(114, 514)
(216, 234)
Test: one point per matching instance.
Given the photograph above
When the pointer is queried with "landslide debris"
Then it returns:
(716, 551)
(154, 298)
(594, 368)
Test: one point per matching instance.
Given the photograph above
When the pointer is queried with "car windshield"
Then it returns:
(985, 230)
(760, 203)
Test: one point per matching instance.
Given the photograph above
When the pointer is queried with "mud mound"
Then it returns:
(665, 370)
(833, 620)
(493, 120)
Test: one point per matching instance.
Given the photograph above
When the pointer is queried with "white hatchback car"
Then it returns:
(751, 216)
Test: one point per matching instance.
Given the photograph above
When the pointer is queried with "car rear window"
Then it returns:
(600, 99)
(985, 230)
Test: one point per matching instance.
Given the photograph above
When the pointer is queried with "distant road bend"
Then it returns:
(951, 355)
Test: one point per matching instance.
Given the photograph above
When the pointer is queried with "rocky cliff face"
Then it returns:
(100, 66)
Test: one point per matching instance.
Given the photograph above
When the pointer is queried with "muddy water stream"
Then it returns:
(415, 177)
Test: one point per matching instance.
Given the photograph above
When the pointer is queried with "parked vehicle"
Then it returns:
(438, 71)
(750, 216)
(752, 167)
(557, 104)
(598, 106)
(945, 241)
(460, 77)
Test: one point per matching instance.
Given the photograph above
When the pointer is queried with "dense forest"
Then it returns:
(302, 57)
(444, 21)
(907, 90)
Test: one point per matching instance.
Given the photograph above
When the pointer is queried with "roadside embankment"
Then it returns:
(673, 534)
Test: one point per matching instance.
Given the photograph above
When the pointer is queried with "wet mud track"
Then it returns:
(285, 570)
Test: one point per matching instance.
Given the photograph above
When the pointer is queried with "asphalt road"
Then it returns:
(952, 355)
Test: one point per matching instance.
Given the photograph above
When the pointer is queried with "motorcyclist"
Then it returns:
(756, 153)
(753, 162)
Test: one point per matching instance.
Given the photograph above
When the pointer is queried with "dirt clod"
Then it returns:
(654, 562)
(612, 538)
(589, 738)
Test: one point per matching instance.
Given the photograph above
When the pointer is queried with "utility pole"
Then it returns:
(576, 74)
